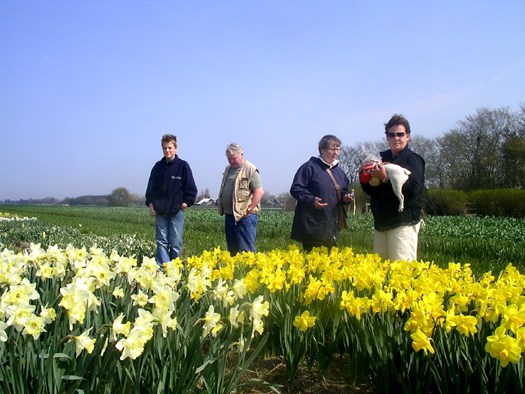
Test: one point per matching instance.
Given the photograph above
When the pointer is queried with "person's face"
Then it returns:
(169, 150)
(397, 138)
(330, 154)
(235, 159)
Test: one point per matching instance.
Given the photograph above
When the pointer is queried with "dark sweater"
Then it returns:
(170, 184)
(383, 201)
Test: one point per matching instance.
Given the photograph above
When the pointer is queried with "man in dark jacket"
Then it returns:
(320, 197)
(396, 232)
(171, 189)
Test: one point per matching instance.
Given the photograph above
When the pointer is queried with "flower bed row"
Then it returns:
(79, 319)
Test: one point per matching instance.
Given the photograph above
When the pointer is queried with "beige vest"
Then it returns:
(242, 195)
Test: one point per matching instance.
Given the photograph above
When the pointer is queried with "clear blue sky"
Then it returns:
(87, 88)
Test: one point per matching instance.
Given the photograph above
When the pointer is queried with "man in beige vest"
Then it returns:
(240, 201)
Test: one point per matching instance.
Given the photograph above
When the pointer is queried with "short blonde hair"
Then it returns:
(167, 138)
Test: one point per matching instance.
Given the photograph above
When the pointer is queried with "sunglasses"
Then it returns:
(398, 134)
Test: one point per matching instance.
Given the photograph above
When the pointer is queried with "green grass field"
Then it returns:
(488, 244)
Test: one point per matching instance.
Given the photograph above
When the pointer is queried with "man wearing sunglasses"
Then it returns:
(396, 232)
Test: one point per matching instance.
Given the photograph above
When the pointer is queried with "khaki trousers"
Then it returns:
(399, 243)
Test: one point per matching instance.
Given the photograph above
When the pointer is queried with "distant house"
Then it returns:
(206, 202)
(276, 203)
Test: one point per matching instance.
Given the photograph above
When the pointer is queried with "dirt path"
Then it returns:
(273, 370)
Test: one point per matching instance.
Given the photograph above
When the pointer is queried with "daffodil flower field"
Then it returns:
(91, 319)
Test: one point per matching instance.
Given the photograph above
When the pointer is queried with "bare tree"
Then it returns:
(513, 150)
(203, 194)
(352, 157)
(484, 151)
(428, 149)
(350, 161)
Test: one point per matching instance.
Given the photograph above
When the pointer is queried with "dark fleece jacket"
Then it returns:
(170, 184)
(383, 201)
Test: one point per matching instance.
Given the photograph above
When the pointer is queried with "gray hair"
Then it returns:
(234, 148)
(327, 141)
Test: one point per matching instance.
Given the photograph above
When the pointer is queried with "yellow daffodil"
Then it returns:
(312, 289)
(381, 301)
(513, 317)
(220, 290)
(466, 325)
(355, 306)
(305, 321)
(251, 281)
(276, 281)
(503, 347)
(420, 341)
(520, 337)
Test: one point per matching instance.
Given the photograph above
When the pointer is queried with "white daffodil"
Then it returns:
(120, 328)
(84, 342)
(133, 345)
(211, 322)
(3, 334)
(34, 326)
(239, 288)
(139, 299)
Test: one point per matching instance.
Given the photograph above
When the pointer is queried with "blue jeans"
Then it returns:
(168, 233)
(240, 236)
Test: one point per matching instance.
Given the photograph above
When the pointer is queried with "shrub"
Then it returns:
(446, 202)
(499, 202)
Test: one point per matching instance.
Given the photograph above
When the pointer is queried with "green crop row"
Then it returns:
(488, 243)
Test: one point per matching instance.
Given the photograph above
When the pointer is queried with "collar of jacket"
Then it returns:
(388, 157)
(336, 162)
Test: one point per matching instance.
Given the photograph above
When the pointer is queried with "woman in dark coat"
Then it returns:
(319, 197)
(396, 232)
